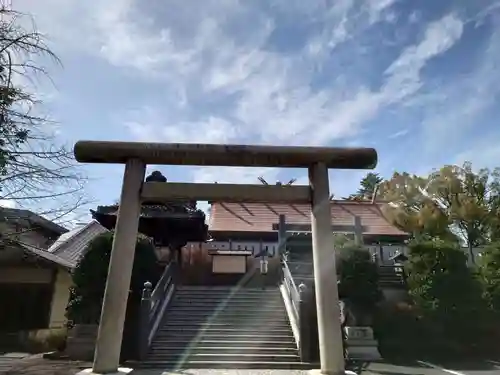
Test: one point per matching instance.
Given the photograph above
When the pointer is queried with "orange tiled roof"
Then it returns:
(260, 217)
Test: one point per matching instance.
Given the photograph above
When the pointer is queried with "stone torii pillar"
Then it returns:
(136, 155)
(114, 306)
(325, 274)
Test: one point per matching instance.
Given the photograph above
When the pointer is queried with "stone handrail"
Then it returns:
(296, 300)
(292, 290)
(153, 306)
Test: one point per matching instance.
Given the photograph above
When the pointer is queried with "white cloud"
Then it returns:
(283, 110)
(458, 107)
(483, 154)
(400, 133)
(404, 73)
(147, 125)
(219, 51)
(275, 99)
(234, 175)
(276, 105)
(8, 203)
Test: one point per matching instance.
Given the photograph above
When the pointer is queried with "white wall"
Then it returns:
(244, 245)
(387, 251)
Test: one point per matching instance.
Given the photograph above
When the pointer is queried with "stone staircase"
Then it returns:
(391, 277)
(221, 327)
(302, 270)
(301, 267)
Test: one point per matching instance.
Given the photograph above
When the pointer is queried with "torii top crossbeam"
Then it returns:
(225, 155)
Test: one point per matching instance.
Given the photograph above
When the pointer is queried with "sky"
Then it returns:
(417, 80)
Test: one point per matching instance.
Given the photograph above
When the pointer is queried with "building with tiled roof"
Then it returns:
(242, 228)
(35, 278)
(259, 221)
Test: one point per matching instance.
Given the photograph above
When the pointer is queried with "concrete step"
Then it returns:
(230, 330)
(222, 289)
(257, 336)
(202, 323)
(253, 321)
(247, 310)
(222, 348)
(232, 357)
(199, 364)
(286, 344)
(229, 306)
(247, 315)
(215, 297)
(249, 319)
(259, 294)
(229, 302)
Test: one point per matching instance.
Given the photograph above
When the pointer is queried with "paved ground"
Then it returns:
(24, 364)
(7, 360)
(18, 364)
(415, 368)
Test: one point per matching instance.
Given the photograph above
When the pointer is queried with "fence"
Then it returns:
(385, 253)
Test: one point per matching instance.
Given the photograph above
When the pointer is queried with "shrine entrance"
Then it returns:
(136, 156)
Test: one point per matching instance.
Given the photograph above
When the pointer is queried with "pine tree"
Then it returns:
(367, 186)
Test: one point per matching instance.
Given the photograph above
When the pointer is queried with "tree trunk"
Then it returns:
(472, 258)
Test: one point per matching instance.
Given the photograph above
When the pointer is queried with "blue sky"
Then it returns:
(417, 80)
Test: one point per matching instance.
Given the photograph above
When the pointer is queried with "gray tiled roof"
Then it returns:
(16, 214)
(70, 246)
(45, 255)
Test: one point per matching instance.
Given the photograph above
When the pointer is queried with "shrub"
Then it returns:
(359, 279)
(57, 340)
(90, 274)
(447, 294)
(489, 271)
(89, 281)
(398, 329)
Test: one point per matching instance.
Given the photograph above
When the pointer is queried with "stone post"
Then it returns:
(304, 325)
(325, 275)
(114, 306)
(281, 242)
(145, 322)
(358, 231)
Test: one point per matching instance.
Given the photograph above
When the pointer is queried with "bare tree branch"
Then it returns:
(37, 172)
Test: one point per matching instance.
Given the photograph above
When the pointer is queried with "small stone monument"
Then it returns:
(361, 344)
(359, 340)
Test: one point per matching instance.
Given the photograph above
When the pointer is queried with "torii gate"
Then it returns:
(137, 155)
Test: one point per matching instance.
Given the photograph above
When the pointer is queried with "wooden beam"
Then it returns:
(225, 155)
(161, 191)
(358, 231)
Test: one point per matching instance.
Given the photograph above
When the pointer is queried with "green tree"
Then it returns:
(90, 274)
(490, 275)
(409, 208)
(470, 201)
(447, 293)
(453, 203)
(367, 188)
(359, 280)
(89, 282)
(368, 185)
